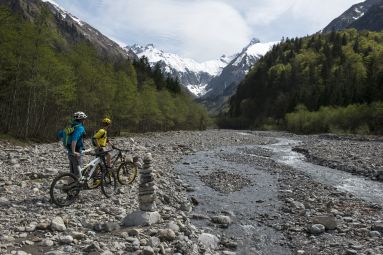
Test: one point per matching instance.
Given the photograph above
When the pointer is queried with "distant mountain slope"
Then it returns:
(366, 15)
(211, 81)
(332, 69)
(192, 74)
(372, 20)
(223, 86)
(73, 29)
(46, 75)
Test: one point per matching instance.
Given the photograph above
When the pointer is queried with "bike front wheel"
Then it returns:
(108, 183)
(64, 189)
(126, 173)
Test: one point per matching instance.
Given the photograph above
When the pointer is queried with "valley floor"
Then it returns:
(219, 192)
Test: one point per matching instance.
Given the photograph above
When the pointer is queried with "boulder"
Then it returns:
(375, 234)
(140, 218)
(66, 239)
(328, 221)
(154, 241)
(173, 226)
(47, 242)
(209, 241)
(57, 224)
(317, 229)
(377, 227)
(221, 219)
(147, 250)
(166, 235)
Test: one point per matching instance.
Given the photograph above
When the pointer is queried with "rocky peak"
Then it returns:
(254, 41)
(149, 46)
(223, 86)
(192, 74)
(350, 17)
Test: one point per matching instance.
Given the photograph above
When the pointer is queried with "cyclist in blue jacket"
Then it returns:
(75, 142)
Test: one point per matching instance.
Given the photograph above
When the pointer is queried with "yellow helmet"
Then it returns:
(106, 121)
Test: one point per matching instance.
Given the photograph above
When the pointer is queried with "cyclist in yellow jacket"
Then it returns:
(100, 139)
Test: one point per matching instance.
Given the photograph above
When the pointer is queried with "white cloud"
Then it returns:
(314, 13)
(205, 29)
(198, 29)
(321, 12)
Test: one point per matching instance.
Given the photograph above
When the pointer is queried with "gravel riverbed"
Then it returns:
(360, 155)
(310, 217)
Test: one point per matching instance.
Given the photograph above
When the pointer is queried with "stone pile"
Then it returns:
(147, 187)
(147, 213)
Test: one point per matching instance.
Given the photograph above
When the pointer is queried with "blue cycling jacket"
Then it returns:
(77, 136)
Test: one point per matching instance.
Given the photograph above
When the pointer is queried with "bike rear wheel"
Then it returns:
(108, 183)
(126, 173)
(95, 181)
(64, 189)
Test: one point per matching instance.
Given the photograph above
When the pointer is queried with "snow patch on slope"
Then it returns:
(198, 90)
(359, 13)
(260, 49)
(213, 67)
(254, 50)
(63, 12)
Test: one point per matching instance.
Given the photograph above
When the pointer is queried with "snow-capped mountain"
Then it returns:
(365, 15)
(192, 74)
(224, 85)
(206, 78)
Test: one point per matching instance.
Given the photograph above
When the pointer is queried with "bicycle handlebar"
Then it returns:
(100, 153)
(87, 151)
(123, 150)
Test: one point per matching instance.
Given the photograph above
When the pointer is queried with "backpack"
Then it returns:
(66, 133)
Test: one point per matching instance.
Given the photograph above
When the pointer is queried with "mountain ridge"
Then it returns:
(72, 28)
(358, 16)
(197, 76)
(192, 74)
(222, 87)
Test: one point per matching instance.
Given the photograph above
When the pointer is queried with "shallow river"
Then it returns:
(360, 187)
(259, 200)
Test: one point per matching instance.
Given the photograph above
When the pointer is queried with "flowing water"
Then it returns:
(360, 187)
(249, 205)
(253, 203)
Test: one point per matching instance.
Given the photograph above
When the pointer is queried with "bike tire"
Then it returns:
(70, 186)
(95, 181)
(126, 173)
(108, 183)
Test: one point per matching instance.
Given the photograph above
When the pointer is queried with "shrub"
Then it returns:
(356, 118)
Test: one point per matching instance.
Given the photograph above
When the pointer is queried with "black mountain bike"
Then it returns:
(125, 166)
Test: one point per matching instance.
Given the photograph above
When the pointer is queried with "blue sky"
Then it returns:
(205, 29)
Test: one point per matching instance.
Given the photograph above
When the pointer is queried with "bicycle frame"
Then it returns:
(92, 164)
(117, 156)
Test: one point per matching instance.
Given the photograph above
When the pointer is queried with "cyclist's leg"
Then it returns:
(72, 166)
(75, 162)
(109, 159)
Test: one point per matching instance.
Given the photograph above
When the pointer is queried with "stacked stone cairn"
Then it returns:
(147, 187)
(147, 214)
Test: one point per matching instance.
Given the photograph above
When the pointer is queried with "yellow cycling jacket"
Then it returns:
(101, 137)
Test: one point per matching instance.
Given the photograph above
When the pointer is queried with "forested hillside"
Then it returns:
(44, 79)
(337, 69)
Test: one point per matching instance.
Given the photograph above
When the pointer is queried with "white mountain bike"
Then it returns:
(66, 187)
